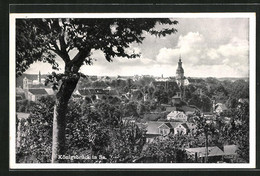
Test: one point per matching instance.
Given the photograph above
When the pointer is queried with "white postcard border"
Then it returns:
(252, 91)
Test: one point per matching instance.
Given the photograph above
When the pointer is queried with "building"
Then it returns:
(35, 94)
(230, 153)
(33, 87)
(199, 154)
(176, 99)
(95, 93)
(180, 74)
(155, 129)
(31, 81)
(219, 107)
(215, 154)
(181, 128)
(177, 116)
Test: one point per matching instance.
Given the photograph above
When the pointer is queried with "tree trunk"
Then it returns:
(207, 149)
(59, 117)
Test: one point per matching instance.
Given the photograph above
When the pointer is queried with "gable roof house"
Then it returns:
(199, 154)
(177, 116)
(219, 107)
(35, 94)
(155, 129)
(181, 128)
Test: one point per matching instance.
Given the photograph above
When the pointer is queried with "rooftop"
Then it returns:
(38, 91)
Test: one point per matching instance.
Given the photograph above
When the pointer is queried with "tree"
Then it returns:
(168, 149)
(127, 141)
(45, 39)
(237, 131)
(207, 129)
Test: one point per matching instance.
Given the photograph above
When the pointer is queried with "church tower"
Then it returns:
(39, 77)
(180, 73)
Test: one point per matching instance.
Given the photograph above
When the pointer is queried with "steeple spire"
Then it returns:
(39, 77)
(180, 72)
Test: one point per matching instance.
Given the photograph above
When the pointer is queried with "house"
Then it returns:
(91, 93)
(208, 115)
(155, 129)
(158, 128)
(50, 91)
(30, 81)
(219, 107)
(176, 99)
(181, 128)
(192, 127)
(35, 94)
(200, 153)
(188, 109)
(243, 100)
(177, 116)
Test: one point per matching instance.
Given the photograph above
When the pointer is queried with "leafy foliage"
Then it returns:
(43, 39)
(168, 149)
(89, 132)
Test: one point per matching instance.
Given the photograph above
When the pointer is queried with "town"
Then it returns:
(153, 115)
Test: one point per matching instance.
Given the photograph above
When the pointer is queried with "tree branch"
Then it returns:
(63, 55)
(63, 45)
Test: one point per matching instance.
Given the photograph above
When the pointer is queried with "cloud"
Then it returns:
(167, 56)
(197, 53)
(208, 47)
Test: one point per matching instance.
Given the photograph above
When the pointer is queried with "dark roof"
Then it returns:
(154, 116)
(38, 91)
(169, 109)
(151, 135)
(187, 108)
(185, 125)
(167, 124)
(84, 92)
(169, 84)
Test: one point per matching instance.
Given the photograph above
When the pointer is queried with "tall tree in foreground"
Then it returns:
(45, 39)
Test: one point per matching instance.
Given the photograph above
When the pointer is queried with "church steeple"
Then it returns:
(179, 71)
(39, 77)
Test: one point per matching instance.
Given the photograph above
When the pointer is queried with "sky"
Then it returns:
(209, 47)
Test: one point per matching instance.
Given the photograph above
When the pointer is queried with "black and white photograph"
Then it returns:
(145, 90)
